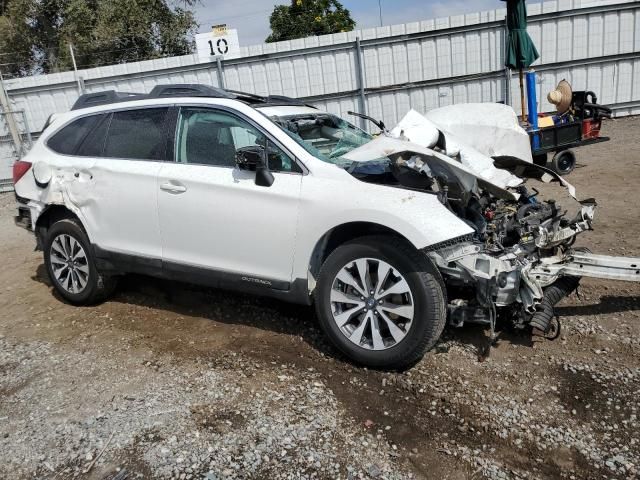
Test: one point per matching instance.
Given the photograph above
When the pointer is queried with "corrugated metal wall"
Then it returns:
(595, 45)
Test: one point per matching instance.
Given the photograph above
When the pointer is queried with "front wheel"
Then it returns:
(381, 302)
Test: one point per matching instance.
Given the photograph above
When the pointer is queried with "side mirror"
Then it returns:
(252, 158)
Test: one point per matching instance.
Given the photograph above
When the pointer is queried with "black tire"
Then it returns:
(98, 287)
(563, 162)
(427, 289)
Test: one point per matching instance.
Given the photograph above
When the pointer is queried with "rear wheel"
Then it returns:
(69, 259)
(381, 302)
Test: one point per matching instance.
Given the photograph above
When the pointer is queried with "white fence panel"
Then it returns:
(594, 44)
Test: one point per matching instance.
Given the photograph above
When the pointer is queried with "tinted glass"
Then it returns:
(66, 140)
(210, 137)
(93, 143)
(137, 134)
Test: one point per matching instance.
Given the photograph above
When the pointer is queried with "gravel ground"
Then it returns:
(170, 380)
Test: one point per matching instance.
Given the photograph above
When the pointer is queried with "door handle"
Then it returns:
(173, 187)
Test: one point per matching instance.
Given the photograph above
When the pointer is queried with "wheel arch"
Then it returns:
(50, 215)
(341, 234)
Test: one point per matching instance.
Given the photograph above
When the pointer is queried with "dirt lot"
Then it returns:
(172, 380)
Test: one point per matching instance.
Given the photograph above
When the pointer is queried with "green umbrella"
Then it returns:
(521, 52)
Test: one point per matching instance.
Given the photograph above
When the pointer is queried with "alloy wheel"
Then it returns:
(372, 303)
(69, 263)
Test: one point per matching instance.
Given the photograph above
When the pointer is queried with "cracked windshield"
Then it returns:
(328, 138)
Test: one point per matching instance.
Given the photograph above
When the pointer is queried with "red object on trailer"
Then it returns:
(591, 128)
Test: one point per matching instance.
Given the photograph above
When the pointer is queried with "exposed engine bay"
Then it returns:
(520, 261)
(495, 271)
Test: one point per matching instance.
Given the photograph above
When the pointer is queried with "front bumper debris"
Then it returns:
(586, 264)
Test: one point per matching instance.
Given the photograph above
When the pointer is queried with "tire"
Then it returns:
(87, 285)
(425, 298)
(563, 162)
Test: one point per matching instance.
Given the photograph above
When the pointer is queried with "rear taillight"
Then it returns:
(19, 169)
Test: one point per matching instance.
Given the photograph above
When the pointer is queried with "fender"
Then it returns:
(417, 216)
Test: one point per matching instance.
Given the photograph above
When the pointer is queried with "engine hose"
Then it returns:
(552, 295)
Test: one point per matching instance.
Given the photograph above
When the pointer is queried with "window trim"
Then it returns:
(241, 116)
(109, 113)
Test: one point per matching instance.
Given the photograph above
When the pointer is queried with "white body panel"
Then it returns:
(224, 221)
(268, 232)
(116, 200)
(122, 209)
(332, 197)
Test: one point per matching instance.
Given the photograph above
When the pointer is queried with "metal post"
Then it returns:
(219, 72)
(362, 99)
(75, 71)
(380, 10)
(11, 121)
(507, 70)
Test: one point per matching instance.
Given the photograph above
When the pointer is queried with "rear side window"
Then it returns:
(66, 141)
(137, 134)
(93, 143)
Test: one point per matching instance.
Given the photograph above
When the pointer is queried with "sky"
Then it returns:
(251, 17)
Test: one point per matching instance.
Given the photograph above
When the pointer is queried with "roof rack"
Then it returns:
(188, 90)
(102, 98)
(181, 90)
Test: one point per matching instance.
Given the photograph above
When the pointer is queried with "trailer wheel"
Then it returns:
(563, 162)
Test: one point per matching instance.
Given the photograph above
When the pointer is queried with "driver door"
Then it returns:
(213, 216)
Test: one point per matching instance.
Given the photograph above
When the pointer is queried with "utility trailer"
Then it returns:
(579, 129)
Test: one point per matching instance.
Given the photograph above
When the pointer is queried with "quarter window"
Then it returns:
(66, 141)
(212, 137)
(137, 134)
(93, 143)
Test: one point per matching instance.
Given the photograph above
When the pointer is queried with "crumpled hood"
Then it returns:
(490, 128)
(469, 158)
(418, 129)
(384, 146)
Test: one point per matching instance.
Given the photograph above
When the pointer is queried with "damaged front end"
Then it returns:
(496, 273)
(520, 261)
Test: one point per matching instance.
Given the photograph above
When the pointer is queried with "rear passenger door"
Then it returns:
(129, 148)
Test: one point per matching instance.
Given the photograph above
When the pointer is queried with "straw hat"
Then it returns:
(561, 97)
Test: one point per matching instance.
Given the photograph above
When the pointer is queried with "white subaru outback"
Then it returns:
(389, 235)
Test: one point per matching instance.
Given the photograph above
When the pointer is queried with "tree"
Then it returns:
(304, 18)
(35, 34)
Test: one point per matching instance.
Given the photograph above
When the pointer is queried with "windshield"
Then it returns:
(324, 136)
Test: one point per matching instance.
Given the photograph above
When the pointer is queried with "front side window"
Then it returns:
(212, 137)
(137, 134)
(66, 141)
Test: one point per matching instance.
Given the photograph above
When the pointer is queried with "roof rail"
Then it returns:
(102, 98)
(181, 90)
(189, 90)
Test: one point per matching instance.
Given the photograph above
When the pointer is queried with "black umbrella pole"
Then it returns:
(524, 115)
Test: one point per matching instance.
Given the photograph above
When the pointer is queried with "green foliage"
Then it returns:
(304, 18)
(35, 34)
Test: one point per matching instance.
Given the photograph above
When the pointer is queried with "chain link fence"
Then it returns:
(15, 142)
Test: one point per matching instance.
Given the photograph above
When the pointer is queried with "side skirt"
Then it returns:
(120, 263)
